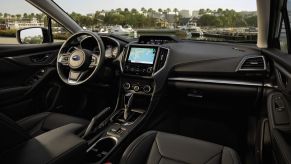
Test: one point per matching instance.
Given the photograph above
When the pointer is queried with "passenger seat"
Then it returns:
(163, 148)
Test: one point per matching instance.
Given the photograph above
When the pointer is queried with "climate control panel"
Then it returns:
(138, 86)
(143, 70)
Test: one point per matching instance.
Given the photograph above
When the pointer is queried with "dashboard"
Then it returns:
(150, 63)
(159, 57)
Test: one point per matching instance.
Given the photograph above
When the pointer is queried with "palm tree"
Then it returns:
(220, 11)
(201, 12)
(176, 11)
(126, 10)
(150, 11)
(6, 15)
(160, 10)
(208, 11)
(133, 10)
(144, 11)
(119, 10)
(18, 16)
(168, 10)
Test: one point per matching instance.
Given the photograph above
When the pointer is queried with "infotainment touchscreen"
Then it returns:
(142, 55)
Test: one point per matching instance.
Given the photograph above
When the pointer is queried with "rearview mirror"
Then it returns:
(33, 35)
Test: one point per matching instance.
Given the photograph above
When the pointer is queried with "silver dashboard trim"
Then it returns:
(215, 81)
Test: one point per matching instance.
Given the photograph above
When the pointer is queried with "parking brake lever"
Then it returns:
(95, 121)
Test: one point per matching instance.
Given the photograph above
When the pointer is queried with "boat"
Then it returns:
(119, 30)
(193, 29)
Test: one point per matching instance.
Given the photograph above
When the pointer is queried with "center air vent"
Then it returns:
(163, 53)
(253, 64)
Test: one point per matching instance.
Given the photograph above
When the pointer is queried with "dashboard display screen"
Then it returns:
(142, 55)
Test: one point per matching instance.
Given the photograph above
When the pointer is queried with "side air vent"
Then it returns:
(257, 63)
(163, 54)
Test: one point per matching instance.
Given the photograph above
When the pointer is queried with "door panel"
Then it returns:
(25, 72)
(279, 107)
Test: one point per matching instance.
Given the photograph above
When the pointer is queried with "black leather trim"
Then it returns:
(43, 122)
(11, 135)
(138, 145)
(158, 147)
(60, 145)
(282, 149)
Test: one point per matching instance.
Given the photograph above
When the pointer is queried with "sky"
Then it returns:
(90, 6)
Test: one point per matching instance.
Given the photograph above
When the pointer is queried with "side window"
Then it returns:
(13, 19)
(60, 34)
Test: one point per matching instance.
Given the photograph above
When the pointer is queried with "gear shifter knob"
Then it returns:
(128, 99)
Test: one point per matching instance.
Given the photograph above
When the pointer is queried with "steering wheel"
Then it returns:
(76, 65)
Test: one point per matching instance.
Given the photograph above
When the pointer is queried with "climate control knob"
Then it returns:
(150, 70)
(147, 89)
(126, 86)
(136, 88)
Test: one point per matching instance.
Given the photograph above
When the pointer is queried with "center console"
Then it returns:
(139, 65)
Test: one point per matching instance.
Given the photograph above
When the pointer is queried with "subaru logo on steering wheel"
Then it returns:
(76, 58)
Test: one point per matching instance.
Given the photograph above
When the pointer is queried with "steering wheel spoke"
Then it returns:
(75, 76)
(64, 59)
(94, 61)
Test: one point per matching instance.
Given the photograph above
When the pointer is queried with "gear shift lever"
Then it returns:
(128, 99)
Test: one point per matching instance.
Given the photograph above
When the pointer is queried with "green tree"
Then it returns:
(252, 21)
(150, 12)
(18, 16)
(6, 15)
(25, 15)
(208, 20)
(168, 10)
(176, 10)
(143, 10)
(201, 12)
(134, 11)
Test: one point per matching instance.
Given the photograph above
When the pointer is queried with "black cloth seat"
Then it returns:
(164, 148)
(40, 123)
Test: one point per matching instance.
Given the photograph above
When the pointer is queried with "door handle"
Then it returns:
(40, 58)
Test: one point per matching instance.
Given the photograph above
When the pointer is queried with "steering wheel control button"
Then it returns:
(136, 88)
(147, 89)
(77, 59)
(126, 86)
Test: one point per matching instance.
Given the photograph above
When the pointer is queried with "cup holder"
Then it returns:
(101, 148)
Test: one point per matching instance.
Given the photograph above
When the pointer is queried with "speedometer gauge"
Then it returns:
(108, 52)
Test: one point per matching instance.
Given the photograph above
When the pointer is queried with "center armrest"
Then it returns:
(60, 145)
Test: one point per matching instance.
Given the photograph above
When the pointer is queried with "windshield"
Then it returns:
(216, 20)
